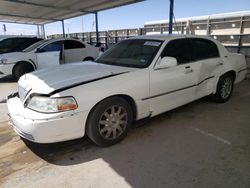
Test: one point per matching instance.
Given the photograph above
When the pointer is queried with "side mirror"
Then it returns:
(166, 62)
(37, 50)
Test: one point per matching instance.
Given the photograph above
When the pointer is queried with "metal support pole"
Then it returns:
(63, 29)
(38, 31)
(43, 29)
(96, 27)
(241, 32)
(208, 26)
(171, 14)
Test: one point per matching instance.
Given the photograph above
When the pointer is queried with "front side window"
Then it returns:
(52, 47)
(179, 49)
(137, 53)
(204, 49)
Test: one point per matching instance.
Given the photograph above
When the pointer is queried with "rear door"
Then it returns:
(207, 55)
(49, 55)
(174, 86)
(74, 51)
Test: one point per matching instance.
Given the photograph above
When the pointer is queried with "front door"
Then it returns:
(49, 55)
(174, 86)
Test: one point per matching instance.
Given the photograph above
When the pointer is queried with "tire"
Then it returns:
(21, 69)
(109, 121)
(88, 59)
(224, 88)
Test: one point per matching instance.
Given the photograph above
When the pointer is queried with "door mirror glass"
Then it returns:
(37, 50)
(166, 62)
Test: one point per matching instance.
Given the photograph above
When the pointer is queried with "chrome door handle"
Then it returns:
(219, 63)
(188, 69)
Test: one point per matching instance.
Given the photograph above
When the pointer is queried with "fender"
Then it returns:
(33, 63)
(217, 79)
(24, 61)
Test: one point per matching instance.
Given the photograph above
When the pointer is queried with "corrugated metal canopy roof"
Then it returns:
(47, 11)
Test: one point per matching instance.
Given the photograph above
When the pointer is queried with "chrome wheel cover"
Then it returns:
(226, 88)
(113, 122)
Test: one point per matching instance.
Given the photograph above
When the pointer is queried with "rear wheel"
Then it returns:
(21, 69)
(224, 88)
(109, 121)
(88, 59)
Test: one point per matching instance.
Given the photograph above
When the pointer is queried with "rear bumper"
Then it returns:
(241, 75)
(45, 128)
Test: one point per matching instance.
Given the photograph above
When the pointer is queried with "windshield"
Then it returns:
(34, 46)
(137, 53)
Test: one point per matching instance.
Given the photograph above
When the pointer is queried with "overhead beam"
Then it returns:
(47, 6)
(17, 22)
(119, 5)
(64, 12)
(35, 18)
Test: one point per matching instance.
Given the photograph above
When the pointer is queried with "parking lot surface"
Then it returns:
(202, 144)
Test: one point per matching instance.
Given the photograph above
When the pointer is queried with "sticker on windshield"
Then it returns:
(152, 43)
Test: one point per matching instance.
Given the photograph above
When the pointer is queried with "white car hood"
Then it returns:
(48, 80)
(11, 55)
(14, 57)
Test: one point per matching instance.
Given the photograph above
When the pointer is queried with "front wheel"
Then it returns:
(21, 69)
(109, 121)
(224, 88)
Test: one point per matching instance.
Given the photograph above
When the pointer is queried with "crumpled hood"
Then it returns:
(48, 80)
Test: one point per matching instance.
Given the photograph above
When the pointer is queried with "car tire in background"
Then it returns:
(88, 59)
(109, 121)
(224, 88)
(22, 68)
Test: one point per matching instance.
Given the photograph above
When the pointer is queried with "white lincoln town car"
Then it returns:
(136, 78)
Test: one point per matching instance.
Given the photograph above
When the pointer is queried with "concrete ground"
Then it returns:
(202, 144)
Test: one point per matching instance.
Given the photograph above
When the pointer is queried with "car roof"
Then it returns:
(9, 37)
(58, 39)
(164, 37)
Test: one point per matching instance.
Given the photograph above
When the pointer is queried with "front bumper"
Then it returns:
(45, 128)
(6, 69)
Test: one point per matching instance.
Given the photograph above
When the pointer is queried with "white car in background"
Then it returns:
(134, 79)
(46, 53)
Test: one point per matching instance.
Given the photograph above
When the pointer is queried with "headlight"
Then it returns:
(50, 105)
(3, 61)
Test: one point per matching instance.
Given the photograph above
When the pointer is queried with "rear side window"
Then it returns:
(204, 49)
(179, 49)
(72, 44)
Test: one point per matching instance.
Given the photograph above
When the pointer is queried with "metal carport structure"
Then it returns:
(37, 12)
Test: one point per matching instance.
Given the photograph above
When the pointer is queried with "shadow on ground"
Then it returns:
(8, 79)
(166, 151)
